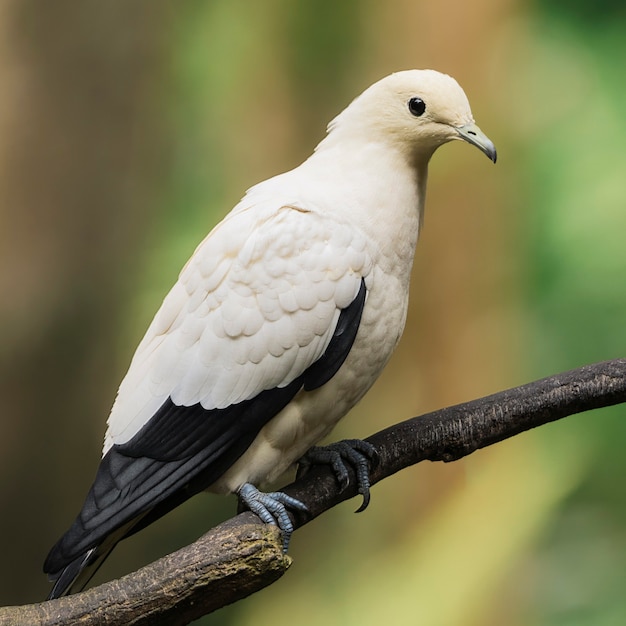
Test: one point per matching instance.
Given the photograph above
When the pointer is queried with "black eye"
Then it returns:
(417, 106)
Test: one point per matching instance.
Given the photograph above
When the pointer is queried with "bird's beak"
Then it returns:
(472, 134)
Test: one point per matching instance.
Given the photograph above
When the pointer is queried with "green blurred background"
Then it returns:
(128, 129)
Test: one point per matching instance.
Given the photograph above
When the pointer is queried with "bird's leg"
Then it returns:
(271, 508)
(362, 456)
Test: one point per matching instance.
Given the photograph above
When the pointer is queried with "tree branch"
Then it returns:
(242, 555)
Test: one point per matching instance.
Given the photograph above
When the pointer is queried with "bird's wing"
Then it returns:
(253, 308)
(269, 303)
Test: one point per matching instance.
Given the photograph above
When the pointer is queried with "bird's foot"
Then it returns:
(271, 508)
(362, 456)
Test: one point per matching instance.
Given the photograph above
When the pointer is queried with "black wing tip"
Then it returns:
(340, 344)
(66, 579)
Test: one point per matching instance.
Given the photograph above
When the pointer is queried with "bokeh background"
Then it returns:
(128, 129)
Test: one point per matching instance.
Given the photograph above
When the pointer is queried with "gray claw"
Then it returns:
(271, 508)
(361, 455)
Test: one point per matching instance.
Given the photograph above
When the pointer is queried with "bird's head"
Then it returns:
(416, 111)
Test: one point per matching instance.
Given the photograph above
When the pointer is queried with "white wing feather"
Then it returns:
(254, 307)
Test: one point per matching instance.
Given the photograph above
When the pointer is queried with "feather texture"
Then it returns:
(182, 450)
(253, 309)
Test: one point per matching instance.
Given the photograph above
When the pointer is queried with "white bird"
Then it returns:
(279, 323)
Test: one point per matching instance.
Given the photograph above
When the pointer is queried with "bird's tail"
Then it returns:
(74, 576)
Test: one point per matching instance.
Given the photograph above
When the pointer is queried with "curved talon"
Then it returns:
(271, 508)
(367, 450)
(361, 455)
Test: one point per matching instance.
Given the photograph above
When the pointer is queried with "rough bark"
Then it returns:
(242, 555)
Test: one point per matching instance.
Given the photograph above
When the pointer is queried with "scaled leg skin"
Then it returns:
(271, 508)
(361, 455)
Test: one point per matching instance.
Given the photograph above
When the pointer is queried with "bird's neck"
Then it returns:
(376, 188)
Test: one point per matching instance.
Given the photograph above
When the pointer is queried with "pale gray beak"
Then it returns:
(472, 134)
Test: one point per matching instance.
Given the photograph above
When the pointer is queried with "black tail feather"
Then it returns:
(73, 577)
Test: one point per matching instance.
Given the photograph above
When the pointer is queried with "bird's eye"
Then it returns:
(417, 106)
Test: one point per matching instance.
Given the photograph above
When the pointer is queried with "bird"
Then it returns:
(279, 323)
